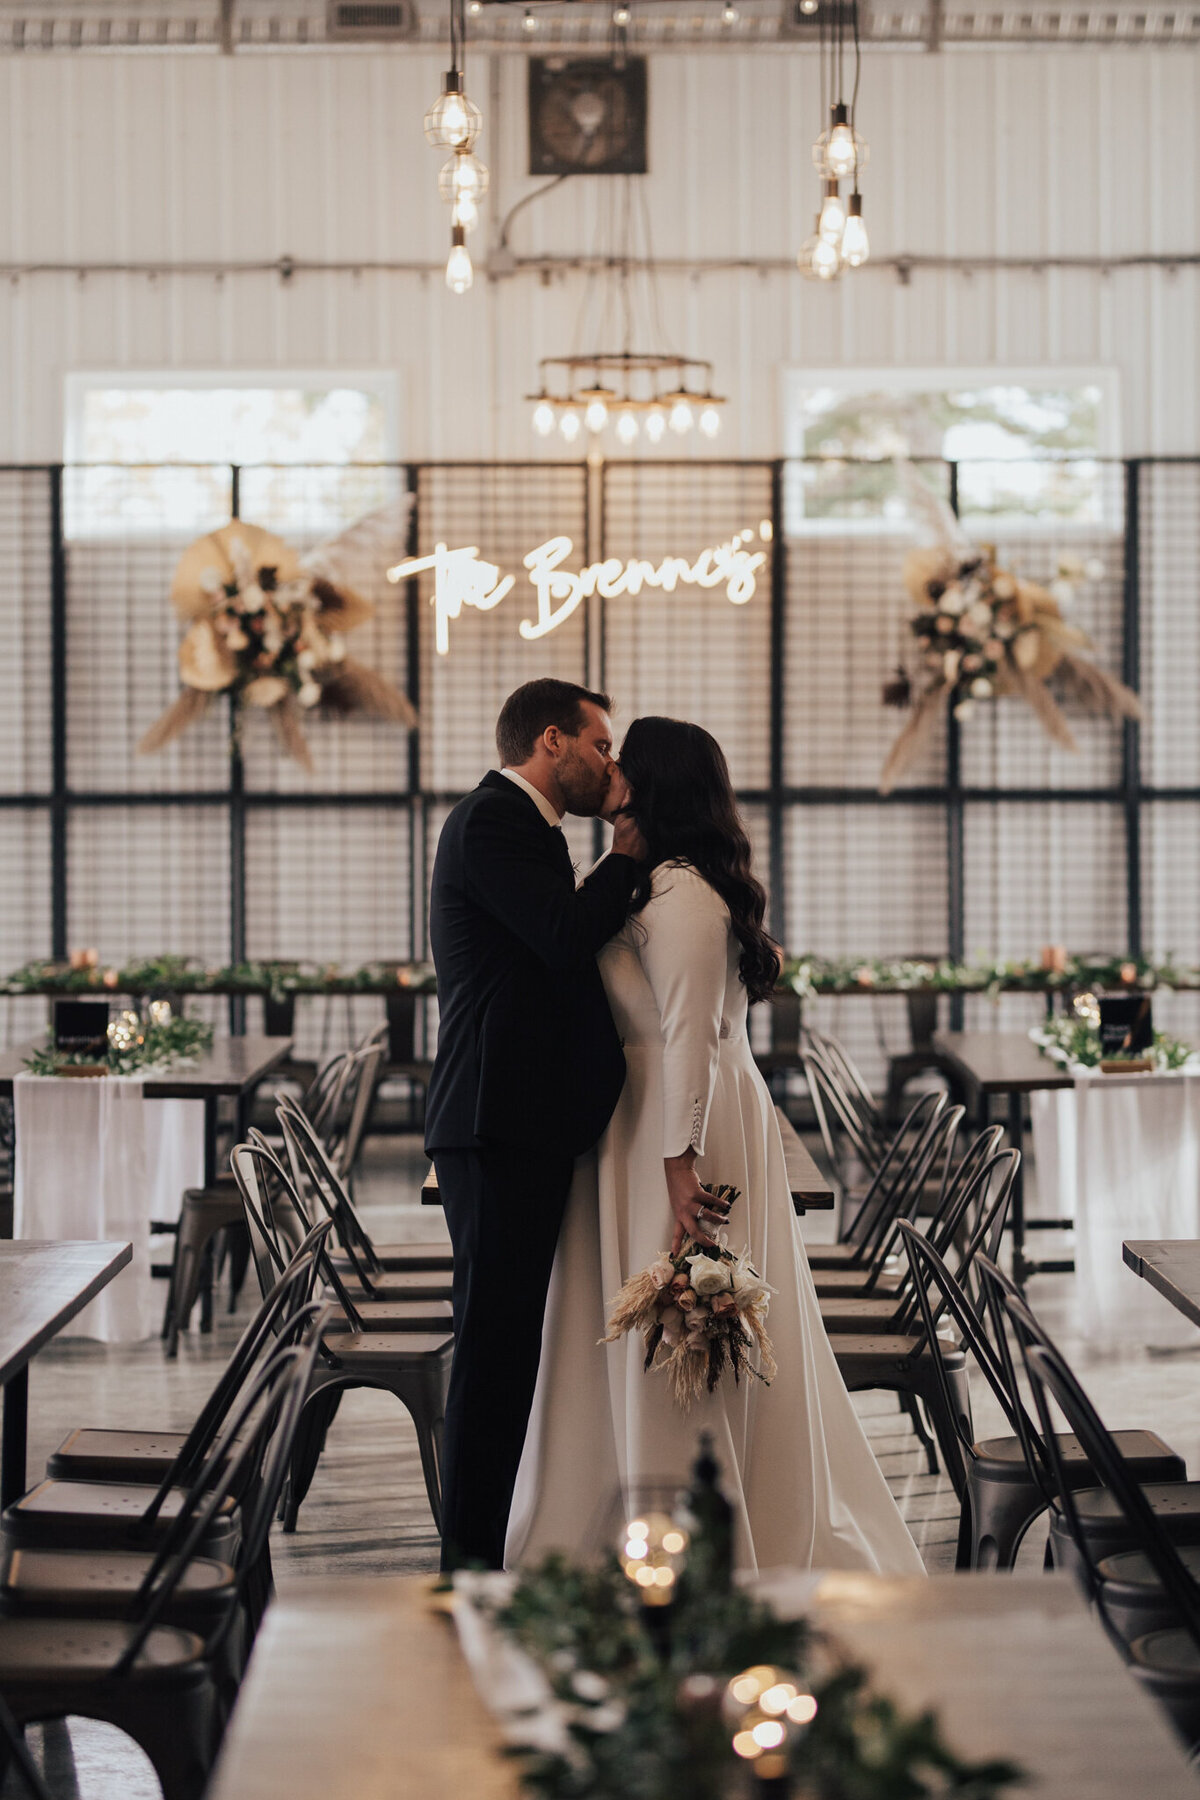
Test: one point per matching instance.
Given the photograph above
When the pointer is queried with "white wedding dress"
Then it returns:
(796, 1465)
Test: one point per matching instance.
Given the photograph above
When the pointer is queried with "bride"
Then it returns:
(796, 1466)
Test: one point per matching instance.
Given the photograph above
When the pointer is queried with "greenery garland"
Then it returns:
(177, 1041)
(642, 1725)
(1073, 1041)
(1055, 971)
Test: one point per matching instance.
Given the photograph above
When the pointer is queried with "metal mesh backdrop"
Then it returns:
(995, 843)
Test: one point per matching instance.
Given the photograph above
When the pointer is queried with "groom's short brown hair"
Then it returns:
(531, 709)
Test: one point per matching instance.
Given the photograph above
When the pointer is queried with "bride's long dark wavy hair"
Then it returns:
(682, 799)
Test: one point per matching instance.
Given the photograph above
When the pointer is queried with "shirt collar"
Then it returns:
(548, 811)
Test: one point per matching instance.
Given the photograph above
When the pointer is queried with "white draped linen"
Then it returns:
(96, 1159)
(1120, 1154)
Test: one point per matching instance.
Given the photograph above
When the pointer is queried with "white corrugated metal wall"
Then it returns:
(151, 156)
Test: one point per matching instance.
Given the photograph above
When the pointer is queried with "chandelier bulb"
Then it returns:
(656, 424)
(710, 421)
(569, 425)
(596, 416)
(681, 417)
(627, 428)
(855, 247)
(544, 418)
(459, 273)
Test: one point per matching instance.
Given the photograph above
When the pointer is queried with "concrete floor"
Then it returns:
(367, 1511)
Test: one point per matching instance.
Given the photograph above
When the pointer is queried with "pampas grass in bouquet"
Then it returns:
(702, 1313)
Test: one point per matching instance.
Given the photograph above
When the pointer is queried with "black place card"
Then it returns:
(81, 1026)
(1126, 1025)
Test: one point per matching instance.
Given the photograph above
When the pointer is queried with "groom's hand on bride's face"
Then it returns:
(627, 839)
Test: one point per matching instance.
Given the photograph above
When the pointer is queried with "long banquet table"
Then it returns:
(358, 1687)
(42, 1288)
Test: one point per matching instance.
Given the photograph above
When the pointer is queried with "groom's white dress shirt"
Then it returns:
(550, 813)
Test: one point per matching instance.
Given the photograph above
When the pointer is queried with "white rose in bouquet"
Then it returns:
(709, 1276)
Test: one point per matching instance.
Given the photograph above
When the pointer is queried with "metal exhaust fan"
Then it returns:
(587, 118)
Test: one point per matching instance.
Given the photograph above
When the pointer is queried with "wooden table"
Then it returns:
(232, 1069)
(1172, 1265)
(810, 1190)
(1010, 1065)
(42, 1288)
(358, 1688)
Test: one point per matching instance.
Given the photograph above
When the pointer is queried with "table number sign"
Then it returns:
(81, 1029)
(1126, 1032)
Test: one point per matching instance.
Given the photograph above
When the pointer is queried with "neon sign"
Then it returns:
(462, 578)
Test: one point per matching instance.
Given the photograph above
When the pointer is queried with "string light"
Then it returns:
(730, 15)
(528, 23)
(621, 16)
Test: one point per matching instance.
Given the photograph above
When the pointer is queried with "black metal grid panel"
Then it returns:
(1044, 874)
(329, 884)
(505, 511)
(691, 654)
(353, 755)
(1168, 571)
(1170, 913)
(24, 885)
(1004, 746)
(122, 635)
(846, 631)
(26, 540)
(149, 879)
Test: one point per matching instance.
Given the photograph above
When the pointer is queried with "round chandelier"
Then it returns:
(638, 394)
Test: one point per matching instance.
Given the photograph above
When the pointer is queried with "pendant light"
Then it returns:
(839, 154)
(855, 247)
(459, 273)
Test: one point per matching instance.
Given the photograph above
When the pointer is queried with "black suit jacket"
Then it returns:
(527, 1051)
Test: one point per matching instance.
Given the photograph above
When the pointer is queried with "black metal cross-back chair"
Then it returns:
(855, 1095)
(905, 1362)
(412, 1365)
(417, 1306)
(900, 1176)
(951, 1226)
(1174, 1499)
(426, 1273)
(1000, 1498)
(852, 1144)
(158, 1682)
(94, 1453)
(1165, 1657)
(882, 1273)
(14, 1752)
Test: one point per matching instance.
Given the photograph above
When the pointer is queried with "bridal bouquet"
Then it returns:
(700, 1312)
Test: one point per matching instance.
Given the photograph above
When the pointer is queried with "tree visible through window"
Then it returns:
(1025, 449)
(158, 448)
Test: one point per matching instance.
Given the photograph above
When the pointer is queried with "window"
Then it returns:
(1028, 444)
(157, 447)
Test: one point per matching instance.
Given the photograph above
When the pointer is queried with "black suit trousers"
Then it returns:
(504, 1208)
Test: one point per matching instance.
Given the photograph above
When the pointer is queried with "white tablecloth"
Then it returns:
(1120, 1154)
(96, 1159)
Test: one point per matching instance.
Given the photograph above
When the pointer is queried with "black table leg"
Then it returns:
(12, 1444)
(1021, 1267)
(210, 1140)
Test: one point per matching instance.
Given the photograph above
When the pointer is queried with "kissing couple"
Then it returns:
(593, 1069)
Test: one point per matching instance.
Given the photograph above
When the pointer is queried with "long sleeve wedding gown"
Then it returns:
(796, 1465)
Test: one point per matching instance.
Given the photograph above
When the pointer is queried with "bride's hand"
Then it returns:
(696, 1212)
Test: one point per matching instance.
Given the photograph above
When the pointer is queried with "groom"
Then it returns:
(528, 1068)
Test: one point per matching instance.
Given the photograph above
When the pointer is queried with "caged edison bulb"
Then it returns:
(544, 419)
(465, 213)
(453, 122)
(463, 174)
